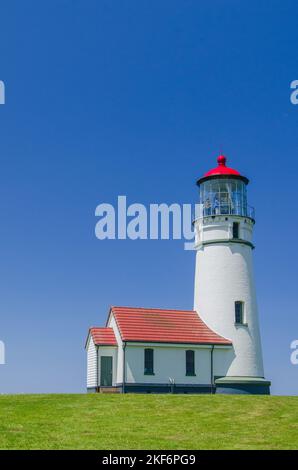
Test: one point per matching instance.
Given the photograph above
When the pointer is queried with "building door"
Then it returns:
(106, 371)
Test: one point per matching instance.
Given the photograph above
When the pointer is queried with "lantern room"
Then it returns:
(223, 192)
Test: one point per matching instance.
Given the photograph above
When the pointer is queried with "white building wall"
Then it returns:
(222, 359)
(169, 362)
(224, 274)
(218, 228)
(119, 373)
(91, 363)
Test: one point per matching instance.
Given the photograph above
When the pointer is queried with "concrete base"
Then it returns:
(103, 389)
(158, 388)
(168, 388)
(243, 385)
(224, 385)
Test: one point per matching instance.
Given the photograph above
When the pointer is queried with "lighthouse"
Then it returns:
(224, 293)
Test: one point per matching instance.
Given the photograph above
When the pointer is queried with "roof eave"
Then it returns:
(201, 343)
(87, 339)
(221, 176)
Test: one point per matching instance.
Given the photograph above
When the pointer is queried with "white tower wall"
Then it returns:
(224, 275)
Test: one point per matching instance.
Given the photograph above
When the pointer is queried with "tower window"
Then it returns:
(148, 362)
(239, 313)
(190, 362)
(235, 229)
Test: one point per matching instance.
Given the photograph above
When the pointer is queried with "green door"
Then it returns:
(106, 371)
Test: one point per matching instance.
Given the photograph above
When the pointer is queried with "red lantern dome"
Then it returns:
(222, 171)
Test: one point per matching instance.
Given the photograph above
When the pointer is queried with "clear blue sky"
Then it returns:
(137, 97)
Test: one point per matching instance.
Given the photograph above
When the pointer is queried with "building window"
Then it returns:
(190, 362)
(239, 313)
(235, 229)
(148, 362)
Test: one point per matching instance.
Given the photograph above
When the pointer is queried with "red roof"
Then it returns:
(164, 326)
(103, 336)
(222, 170)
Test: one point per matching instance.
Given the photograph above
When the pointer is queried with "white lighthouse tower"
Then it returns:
(224, 294)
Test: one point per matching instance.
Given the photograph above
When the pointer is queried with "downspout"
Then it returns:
(123, 371)
(97, 372)
(211, 369)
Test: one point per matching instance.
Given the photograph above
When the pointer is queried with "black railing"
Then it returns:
(205, 210)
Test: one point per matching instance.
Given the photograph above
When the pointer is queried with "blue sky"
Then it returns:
(137, 98)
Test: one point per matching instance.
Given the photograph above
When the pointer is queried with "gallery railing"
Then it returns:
(205, 210)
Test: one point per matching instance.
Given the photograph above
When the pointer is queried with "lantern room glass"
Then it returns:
(224, 196)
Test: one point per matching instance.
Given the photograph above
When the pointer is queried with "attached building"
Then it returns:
(155, 350)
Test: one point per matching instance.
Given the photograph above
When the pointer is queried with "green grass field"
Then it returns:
(148, 422)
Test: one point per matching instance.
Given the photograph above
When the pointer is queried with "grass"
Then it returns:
(148, 422)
